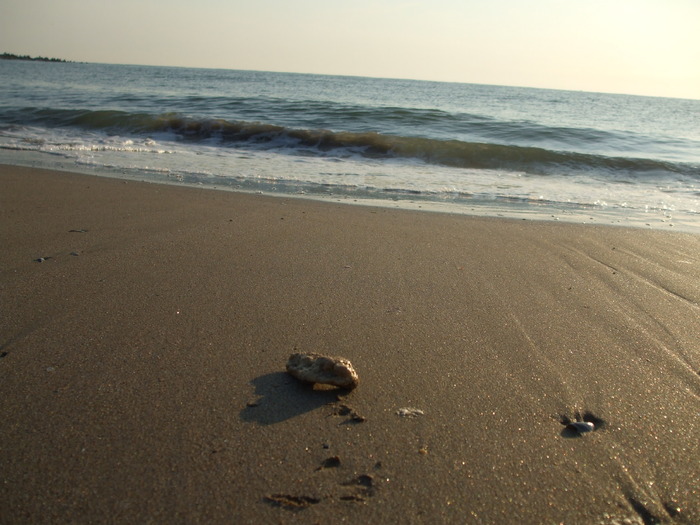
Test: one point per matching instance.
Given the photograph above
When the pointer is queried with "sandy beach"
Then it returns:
(142, 368)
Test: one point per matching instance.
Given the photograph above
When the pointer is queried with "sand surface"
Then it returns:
(142, 371)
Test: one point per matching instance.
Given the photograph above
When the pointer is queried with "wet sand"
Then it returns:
(142, 370)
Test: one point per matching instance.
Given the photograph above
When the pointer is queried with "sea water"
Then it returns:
(465, 148)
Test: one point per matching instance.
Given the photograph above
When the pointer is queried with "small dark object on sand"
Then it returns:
(291, 502)
(332, 462)
(580, 427)
(345, 410)
(582, 423)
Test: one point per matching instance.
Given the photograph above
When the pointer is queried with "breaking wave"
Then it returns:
(369, 144)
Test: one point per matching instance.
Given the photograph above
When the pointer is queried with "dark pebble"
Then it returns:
(581, 427)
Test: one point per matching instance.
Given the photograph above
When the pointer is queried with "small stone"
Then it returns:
(409, 412)
(316, 368)
(580, 427)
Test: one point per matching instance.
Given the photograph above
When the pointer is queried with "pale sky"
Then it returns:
(646, 47)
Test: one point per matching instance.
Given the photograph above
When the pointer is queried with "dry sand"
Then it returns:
(142, 379)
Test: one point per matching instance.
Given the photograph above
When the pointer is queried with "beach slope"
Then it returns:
(142, 371)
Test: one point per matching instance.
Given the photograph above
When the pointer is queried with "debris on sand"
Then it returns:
(316, 368)
(580, 424)
(291, 502)
(409, 412)
(345, 410)
(580, 427)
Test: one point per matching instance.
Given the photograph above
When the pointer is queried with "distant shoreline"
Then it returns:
(10, 56)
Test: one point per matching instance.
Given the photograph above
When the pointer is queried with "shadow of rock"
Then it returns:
(281, 397)
(571, 433)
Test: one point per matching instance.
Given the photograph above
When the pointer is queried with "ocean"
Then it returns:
(463, 148)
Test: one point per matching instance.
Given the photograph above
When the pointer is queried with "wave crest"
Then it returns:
(453, 153)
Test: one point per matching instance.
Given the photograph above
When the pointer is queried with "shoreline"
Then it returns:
(471, 206)
(142, 369)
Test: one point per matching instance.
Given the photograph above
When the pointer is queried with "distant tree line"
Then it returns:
(10, 56)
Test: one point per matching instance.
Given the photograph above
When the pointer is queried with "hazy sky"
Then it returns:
(649, 47)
